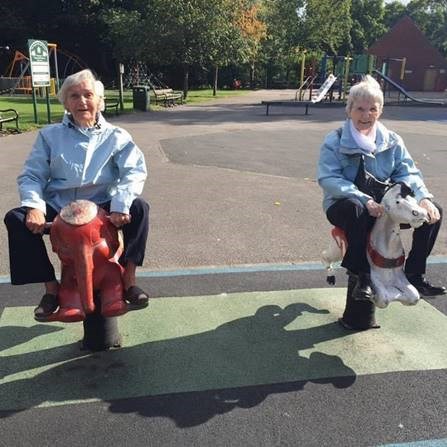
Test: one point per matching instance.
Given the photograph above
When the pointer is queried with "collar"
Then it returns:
(67, 120)
(365, 142)
(348, 145)
(380, 261)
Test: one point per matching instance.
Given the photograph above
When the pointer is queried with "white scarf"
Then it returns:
(365, 142)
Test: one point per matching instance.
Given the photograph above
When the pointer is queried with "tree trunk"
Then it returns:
(185, 80)
(216, 75)
(252, 75)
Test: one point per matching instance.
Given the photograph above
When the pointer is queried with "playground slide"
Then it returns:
(321, 92)
(405, 93)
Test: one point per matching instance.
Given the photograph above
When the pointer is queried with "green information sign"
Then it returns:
(40, 63)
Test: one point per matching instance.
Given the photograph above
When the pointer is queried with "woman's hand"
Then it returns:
(35, 221)
(119, 219)
(432, 211)
(374, 209)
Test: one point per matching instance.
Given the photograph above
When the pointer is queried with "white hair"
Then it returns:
(99, 90)
(77, 78)
(367, 89)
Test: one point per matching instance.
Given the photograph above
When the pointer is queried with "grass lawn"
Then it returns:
(24, 105)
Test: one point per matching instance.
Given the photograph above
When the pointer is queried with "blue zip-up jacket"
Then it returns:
(340, 158)
(68, 163)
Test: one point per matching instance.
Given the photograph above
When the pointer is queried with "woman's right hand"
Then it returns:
(374, 209)
(35, 220)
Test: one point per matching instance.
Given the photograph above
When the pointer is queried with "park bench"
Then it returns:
(167, 96)
(286, 103)
(305, 104)
(7, 116)
(111, 104)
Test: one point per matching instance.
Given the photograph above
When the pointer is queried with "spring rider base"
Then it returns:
(100, 333)
(358, 314)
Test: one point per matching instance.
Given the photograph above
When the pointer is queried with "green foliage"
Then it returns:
(367, 23)
(284, 28)
(394, 11)
(211, 34)
(326, 25)
(122, 27)
(431, 17)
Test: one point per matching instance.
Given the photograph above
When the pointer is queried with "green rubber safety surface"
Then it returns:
(212, 342)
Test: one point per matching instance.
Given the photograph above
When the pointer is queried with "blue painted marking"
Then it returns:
(429, 443)
(255, 268)
(234, 269)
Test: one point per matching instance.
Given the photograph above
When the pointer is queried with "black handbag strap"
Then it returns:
(365, 181)
(368, 184)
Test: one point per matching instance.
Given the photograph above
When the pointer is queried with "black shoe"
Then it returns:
(48, 305)
(136, 298)
(363, 289)
(424, 287)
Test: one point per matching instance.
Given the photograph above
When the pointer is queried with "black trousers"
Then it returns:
(28, 257)
(353, 217)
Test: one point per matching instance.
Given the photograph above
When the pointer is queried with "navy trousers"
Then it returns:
(28, 257)
(353, 217)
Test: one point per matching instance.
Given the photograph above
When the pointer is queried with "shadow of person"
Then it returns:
(245, 360)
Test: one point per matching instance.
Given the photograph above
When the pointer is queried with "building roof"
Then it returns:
(405, 39)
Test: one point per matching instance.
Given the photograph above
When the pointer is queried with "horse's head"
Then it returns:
(402, 207)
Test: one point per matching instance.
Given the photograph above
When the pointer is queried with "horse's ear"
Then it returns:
(405, 190)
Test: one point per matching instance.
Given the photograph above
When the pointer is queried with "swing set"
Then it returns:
(17, 77)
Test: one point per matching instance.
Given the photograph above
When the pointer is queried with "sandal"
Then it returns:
(136, 298)
(48, 305)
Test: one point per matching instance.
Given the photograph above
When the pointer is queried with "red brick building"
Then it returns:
(425, 67)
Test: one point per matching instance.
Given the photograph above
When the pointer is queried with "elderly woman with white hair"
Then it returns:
(83, 157)
(355, 163)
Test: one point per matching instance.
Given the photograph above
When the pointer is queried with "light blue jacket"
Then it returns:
(340, 158)
(68, 163)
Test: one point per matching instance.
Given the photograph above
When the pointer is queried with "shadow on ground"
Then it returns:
(237, 365)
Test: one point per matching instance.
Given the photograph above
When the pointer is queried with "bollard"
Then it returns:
(358, 315)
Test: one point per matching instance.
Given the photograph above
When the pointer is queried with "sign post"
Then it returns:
(120, 85)
(40, 71)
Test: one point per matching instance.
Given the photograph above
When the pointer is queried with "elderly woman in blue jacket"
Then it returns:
(354, 163)
(83, 157)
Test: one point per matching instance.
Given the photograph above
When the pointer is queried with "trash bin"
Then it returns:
(140, 97)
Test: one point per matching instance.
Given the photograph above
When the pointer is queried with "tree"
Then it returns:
(431, 18)
(253, 30)
(226, 40)
(326, 24)
(74, 26)
(185, 33)
(283, 35)
(367, 23)
(394, 11)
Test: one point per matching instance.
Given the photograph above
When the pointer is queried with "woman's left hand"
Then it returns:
(374, 209)
(432, 211)
(119, 219)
